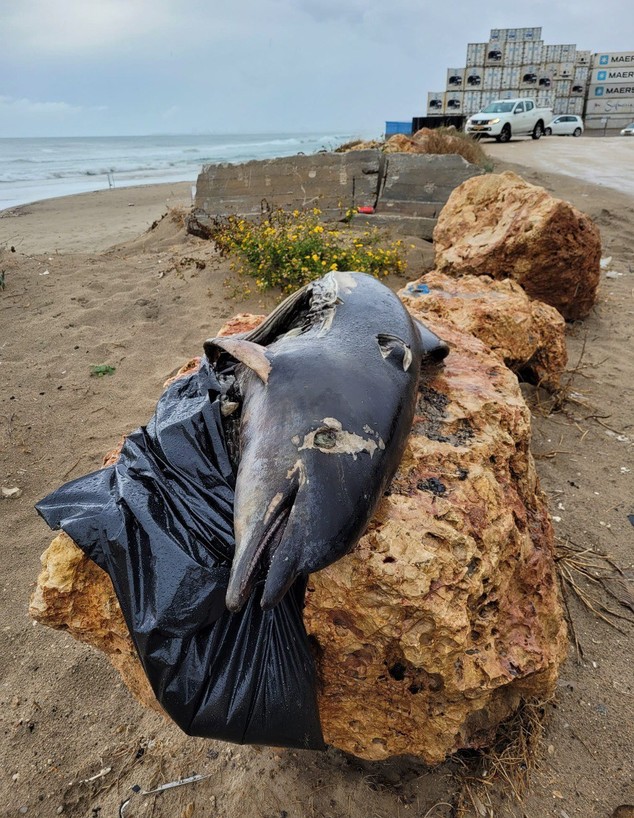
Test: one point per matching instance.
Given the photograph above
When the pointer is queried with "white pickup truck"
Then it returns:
(504, 118)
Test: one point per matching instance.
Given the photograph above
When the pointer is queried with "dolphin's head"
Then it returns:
(320, 438)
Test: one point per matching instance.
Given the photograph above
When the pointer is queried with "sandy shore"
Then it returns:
(74, 741)
(89, 222)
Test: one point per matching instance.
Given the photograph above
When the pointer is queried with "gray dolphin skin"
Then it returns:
(328, 385)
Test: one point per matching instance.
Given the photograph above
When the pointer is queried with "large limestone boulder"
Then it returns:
(529, 336)
(502, 226)
(445, 617)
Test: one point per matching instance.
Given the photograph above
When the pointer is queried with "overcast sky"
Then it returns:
(118, 67)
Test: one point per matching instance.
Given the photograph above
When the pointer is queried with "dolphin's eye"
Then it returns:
(326, 438)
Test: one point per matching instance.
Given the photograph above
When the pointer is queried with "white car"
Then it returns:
(628, 130)
(565, 125)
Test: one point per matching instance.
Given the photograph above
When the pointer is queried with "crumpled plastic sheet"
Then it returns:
(160, 523)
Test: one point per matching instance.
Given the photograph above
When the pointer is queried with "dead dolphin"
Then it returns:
(328, 384)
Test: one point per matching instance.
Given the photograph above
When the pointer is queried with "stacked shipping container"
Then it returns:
(610, 99)
(517, 63)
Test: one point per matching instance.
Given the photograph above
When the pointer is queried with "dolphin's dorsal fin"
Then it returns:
(247, 352)
(434, 349)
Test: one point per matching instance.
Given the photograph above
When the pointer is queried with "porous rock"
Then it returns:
(447, 614)
(502, 226)
(528, 335)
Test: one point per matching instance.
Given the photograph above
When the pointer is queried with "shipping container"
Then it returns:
(545, 98)
(511, 53)
(473, 78)
(526, 94)
(455, 79)
(578, 89)
(528, 76)
(475, 54)
(392, 128)
(492, 79)
(545, 77)
(552, 68)
(613, 59)
(511, 35)
(606, 91)
(533, 34)
(552, 53)
(510, 77)
(560, 106)
(568, 53)
(493, 54)
(566, 71)
(453, 102)
(612, 75)
(562, 88)
(471, 102)
(497, 35)
(609, 121)
(582, 73)
(435, 103)
(575, 106)
(583, 58)
(532, 52)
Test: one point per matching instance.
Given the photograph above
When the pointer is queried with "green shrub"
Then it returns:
(287, 250)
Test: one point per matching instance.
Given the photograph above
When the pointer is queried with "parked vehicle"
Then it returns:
(628, 130)
(504, 118)
(565, 125)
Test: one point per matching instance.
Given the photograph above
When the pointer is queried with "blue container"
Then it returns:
(398, 127)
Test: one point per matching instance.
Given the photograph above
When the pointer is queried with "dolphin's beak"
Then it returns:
(254, 552)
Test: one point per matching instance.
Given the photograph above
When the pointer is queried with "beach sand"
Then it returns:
(74, 740)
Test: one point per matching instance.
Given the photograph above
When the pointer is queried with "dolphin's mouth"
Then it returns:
(257, 556)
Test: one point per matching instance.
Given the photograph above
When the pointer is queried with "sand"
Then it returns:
(144, 306)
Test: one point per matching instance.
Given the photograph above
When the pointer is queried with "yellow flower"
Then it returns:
(315, 257)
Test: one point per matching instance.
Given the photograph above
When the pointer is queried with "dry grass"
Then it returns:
(451, 141)
(583, 573)
(505, 766)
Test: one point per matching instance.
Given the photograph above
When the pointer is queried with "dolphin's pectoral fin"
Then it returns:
(391, 345)
(248, 353)
(434, 348)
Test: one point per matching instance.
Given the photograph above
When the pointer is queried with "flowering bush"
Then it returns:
(289, 249)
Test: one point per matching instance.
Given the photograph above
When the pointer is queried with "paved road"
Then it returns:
(607, 161)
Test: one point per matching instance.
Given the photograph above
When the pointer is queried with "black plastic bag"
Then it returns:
(160, 523)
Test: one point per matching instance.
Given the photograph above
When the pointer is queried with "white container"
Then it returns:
(508, 94)
(526, 94)
(532, 52)
(568, 52)
(545, 99)
(578, 89)
(562, 88)
(600, 107)
(612, 76)
(475, 54)
(453, 102)
(493, 54)
(552, 53)
(613, 59)
(455, 79)
(497, 35)
(528, 77)
(582, 72)
(553, 69)
(435, 103)
(512, 35)
(560, 106)
(575, 106)
(566, 71)
(474, 79)
(471, 102)
(583, 58)
(510, 77)
(529, 34)
(492, 79)
(611, 92)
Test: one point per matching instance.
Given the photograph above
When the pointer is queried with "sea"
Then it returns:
(32, 169)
